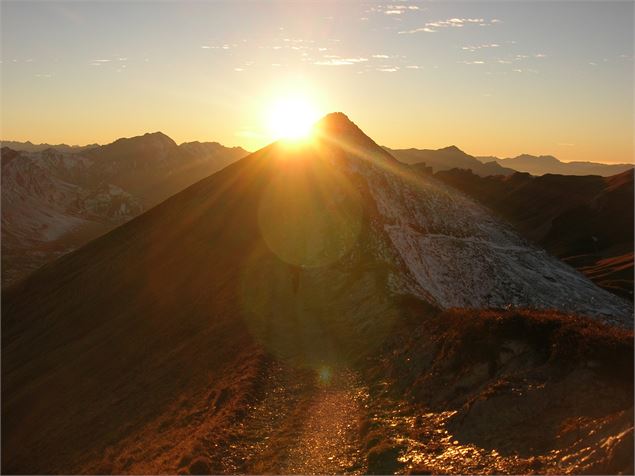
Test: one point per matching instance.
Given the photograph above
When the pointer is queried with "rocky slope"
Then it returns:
(245, 292)
(54, 201)
(586, 221)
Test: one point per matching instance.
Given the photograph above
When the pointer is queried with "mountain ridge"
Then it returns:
(585, 220)
(447, 158)
(548, 164)
(54, 201)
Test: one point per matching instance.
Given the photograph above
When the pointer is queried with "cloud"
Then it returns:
(402, 7)
(389, 69)
(392, 9)
(336, 61)
(381, 56)
(434, 26)
(413, 66)
(472, 62)
(217, 47)
(479, 47)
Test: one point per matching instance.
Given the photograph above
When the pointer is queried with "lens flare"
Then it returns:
(310, 215)
(325, 374)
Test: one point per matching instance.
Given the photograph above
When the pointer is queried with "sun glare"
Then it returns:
(292, 117)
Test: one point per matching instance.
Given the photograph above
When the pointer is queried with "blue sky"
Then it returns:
(499, 78)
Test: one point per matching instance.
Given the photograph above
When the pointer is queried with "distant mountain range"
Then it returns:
(28, 146)
(586, 221)
(547, 164)
(55, 200)
(448, 158)
(454, 158)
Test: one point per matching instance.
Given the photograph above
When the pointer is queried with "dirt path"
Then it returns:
(306, 423)
(329, 440)
(327, 422)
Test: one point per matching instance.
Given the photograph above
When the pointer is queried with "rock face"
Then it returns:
(55, 201)
(311, 253)
(585, 221)
(458, 255)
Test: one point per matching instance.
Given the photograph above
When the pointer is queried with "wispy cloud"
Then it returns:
(390, 9)
(434, 26)
(217, 47)
(479, 47)
(331, 60)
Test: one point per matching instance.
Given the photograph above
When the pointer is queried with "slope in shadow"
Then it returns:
(587, 221)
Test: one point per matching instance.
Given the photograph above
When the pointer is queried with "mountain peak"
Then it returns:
(336, 122)
(337, 128)
(452, 149)
(149, 138)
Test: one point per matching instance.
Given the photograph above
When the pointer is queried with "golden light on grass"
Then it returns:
(292, 117)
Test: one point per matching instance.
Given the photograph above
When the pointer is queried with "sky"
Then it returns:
(493, 78)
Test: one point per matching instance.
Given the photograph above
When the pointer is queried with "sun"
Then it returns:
(292, 117)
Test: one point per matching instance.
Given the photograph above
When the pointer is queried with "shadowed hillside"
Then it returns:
(586, 221)
(449, 158)
(54, 201)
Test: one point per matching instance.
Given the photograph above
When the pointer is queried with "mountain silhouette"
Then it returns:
(548, 164)
(28, 146)
(152, 342)
(449, 158)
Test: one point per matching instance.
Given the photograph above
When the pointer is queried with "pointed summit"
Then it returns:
(337, 122)
(337, 129)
